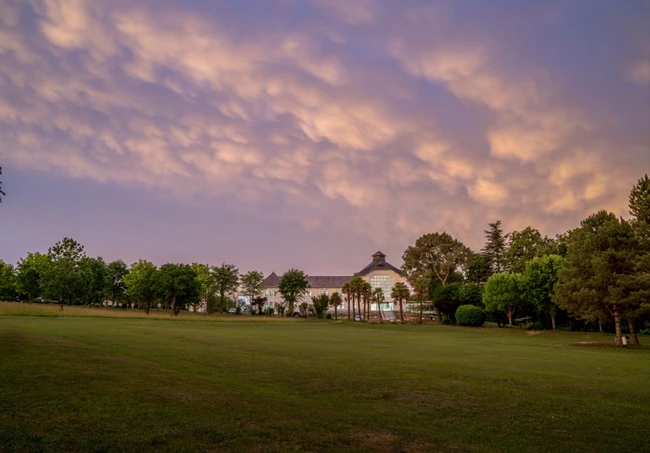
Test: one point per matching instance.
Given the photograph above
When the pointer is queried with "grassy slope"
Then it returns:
(111, 384)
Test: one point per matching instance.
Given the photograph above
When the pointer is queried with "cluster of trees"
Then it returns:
(67, 276)
(596, 274)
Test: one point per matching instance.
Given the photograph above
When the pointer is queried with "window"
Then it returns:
(385, 282)
(327, 292)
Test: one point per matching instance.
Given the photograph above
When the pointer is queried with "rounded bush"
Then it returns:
(470, 315)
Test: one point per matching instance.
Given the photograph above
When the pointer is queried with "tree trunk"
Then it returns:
(600, 324)
(336, 312)
(381, 318)
(635, 339)
(421, 311)
(617, 324)
(31, 298)
(401, 311)
(509, 318)
(354, 310)
(553, 321)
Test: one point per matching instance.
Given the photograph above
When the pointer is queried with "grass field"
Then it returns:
(89, 381)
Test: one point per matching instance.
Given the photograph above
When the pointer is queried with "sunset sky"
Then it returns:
(310, 133)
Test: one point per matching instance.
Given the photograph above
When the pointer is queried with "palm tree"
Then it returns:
(347, 290)
(400, 293)
(378, 298)
(367, 296)
(335, 301)
(357, 285)
(421, 290)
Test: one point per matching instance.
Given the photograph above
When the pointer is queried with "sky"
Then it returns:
(311, 133)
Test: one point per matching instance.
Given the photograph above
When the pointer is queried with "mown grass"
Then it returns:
(84, 384)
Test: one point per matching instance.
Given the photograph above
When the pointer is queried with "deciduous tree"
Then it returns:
(7, 282)
(61, 277)
(140, 284)
(251, 283)
(436, 255)
(177, 284)
(523, 246)
(226, 278)
(504, 292)
(293, 286)
(115, 272)
(541, 275)
(28, 276)
(92, 280)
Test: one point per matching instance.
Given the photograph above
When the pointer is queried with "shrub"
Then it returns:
(535, 326)
(328, 316)
(469, 315)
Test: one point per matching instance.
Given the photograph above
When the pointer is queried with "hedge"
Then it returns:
(470, 315)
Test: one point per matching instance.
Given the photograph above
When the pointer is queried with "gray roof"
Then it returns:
(378, 263)
(273, 281)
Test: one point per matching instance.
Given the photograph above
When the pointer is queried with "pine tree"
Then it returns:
(495, 246)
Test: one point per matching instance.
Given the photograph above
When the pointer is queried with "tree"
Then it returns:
(357, 287)
(639, 200)
(447, 299)
(115, 272)
(479, 269)
(541, 275)
(29, 272)
(523, 246)
(226, 279)
(258, 302)
(177, 284)
(436, 255)
(365, 294)
(335, 301)
(320, 303)
(61, 277)
(207, 284)
(293, 286)
(7, 282)
(251, 283)
(140, 284)
(504, 292)
(378, 298)
(348, 291)
(421, 291)
(600, 277)
(495, 246)
(92, 278)
(302, 308)
(400, 293)
(471, 293)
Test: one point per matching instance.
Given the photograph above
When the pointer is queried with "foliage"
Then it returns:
(399, 294)
(7, 282)
(600, 278)
(479, 268)
(61, 277)
(504, 292)
(302, 308)
(639, 200)
(421, 292)
(251, 283)
(523, 246)
(207, 284)
(321, 304)
(258, 303)
(470, 315)
(446, 299)
(115, 287)
(471, 293)
(541, 275)
(92, 280)
(335, 301)
(29, 273)
(140, 284)
(436, 255)
(495, 246)
(226, 280)
(177, 284)
(293, 286)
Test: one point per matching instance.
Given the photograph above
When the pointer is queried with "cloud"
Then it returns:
(398, 118)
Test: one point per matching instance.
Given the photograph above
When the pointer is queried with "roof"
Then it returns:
(378, 263)
(273, 281)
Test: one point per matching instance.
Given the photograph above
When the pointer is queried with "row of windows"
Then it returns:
(385, 282)
(275, 292)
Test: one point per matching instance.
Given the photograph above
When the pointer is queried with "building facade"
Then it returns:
(379, 273)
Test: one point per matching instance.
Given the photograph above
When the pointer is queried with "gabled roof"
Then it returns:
(378, 263)
(273, 281)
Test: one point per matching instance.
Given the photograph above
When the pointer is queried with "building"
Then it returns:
(379, 273)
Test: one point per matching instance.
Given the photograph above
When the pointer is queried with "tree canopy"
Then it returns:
(293, 286)
(504, 292)
(140, 284)
(436, 255)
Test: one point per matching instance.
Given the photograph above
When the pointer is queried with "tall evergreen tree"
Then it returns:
(639, 201)
(495, 246)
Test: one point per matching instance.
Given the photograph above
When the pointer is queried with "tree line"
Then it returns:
(594, 276)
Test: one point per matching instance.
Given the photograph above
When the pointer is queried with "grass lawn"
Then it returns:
(84, 382)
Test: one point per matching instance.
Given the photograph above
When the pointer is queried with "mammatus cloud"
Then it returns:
(400, 119)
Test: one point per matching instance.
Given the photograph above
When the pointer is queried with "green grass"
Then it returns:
(90, 384)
